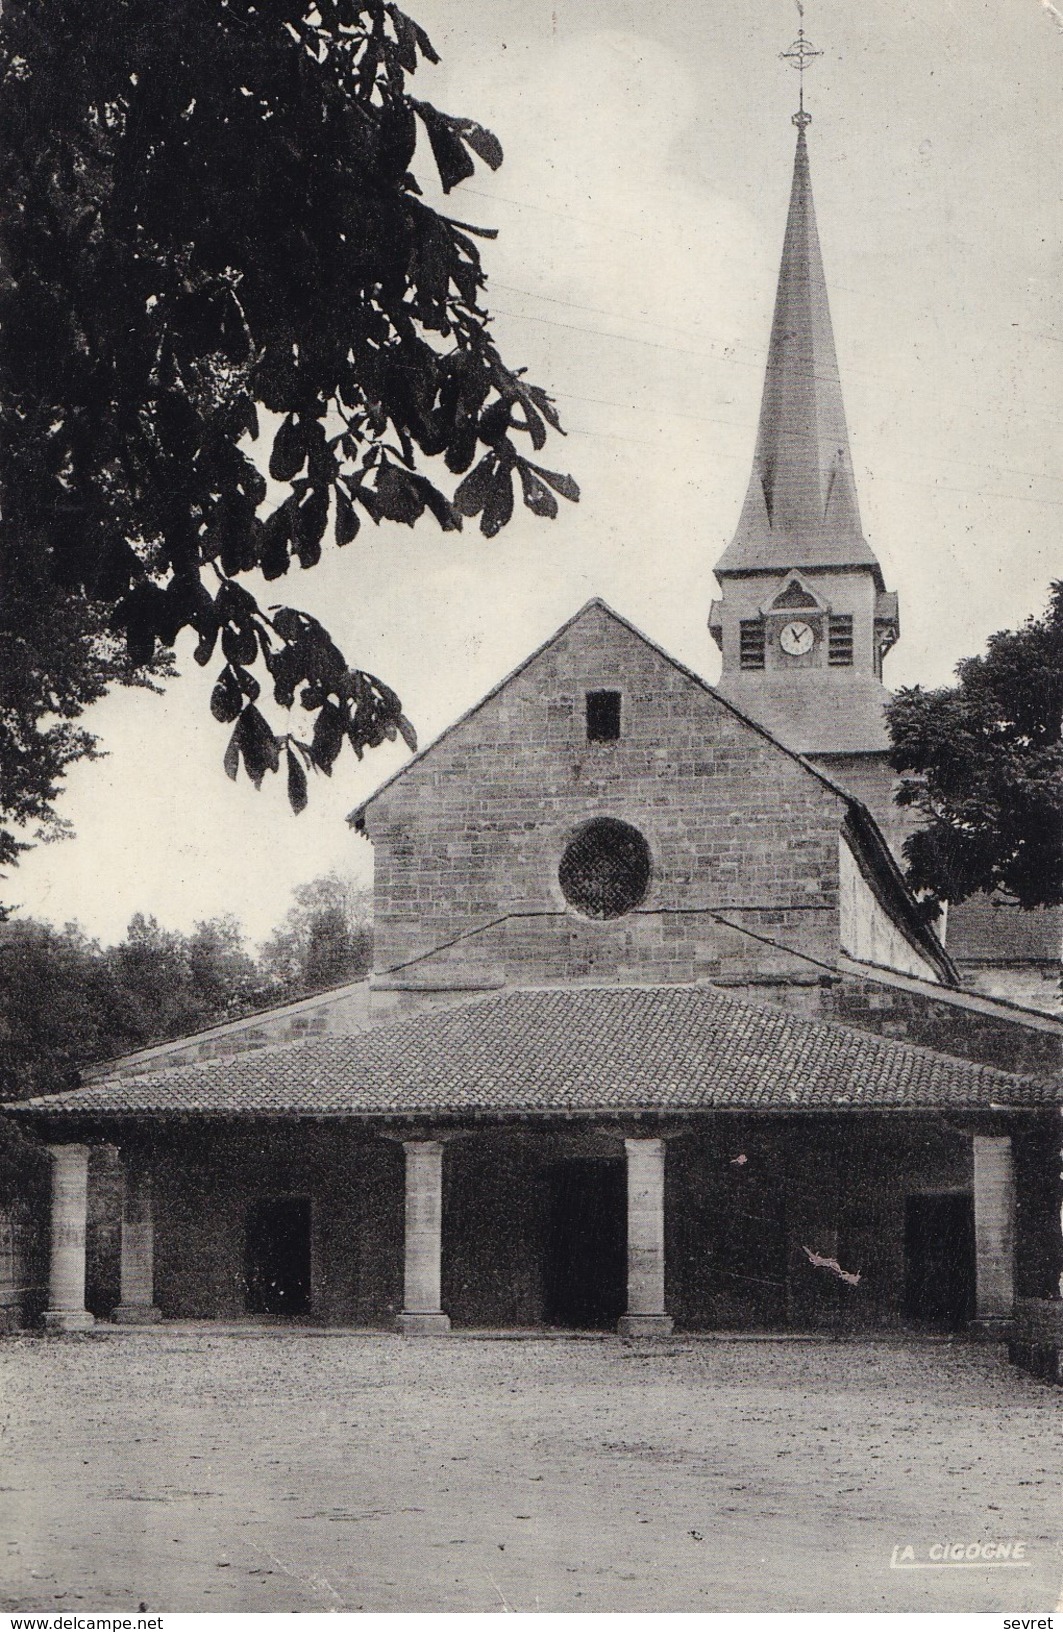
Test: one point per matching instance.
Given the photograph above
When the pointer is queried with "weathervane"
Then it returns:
(801, 55)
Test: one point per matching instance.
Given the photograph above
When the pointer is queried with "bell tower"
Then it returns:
(805, 621)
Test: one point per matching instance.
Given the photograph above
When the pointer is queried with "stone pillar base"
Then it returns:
(645, 1325)
(1043, 1360)
(68, 1320)
(136, 1314)
(415, 1323)
(991, 1328)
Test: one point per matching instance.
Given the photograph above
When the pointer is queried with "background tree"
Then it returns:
(170, 983)
(326, 937)
(209, 210)
(66, 1001)
(984, 764)
(60, 1005)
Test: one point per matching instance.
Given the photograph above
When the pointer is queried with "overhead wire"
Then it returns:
(725, 354)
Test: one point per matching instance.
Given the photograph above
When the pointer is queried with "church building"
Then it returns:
(656, 1034)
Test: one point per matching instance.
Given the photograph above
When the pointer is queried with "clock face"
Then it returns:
(796, 639)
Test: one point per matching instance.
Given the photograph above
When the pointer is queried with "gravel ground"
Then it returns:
(285, 1471)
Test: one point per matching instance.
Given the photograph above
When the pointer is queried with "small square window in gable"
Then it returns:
(603, 716)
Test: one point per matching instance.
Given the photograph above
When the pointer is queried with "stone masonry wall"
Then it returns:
(340, 1012)
(468, 841)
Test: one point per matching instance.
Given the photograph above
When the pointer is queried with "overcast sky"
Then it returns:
(641, 211)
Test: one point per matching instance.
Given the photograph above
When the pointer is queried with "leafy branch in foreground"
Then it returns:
(211, 211)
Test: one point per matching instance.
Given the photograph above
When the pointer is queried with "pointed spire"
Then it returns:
(801, 509)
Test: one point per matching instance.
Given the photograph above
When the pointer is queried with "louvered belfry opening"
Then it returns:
(751, 643)
(840, 638)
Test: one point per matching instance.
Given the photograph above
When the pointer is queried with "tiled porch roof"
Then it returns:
(564, 1050)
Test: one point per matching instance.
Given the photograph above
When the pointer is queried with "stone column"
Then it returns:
(994, 1228)
(66, 1310)
(11, 1270)
(137, 1307)
(421, 1314)
(645, 1315)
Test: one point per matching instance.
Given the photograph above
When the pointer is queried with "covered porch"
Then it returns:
(596, 1158)
(820, 1222)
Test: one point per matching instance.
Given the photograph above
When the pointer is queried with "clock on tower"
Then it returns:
(796, 638)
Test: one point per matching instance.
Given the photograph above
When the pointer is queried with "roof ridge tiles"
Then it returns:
(702, 1049)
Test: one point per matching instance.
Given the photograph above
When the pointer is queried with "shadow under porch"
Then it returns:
(769, 1222)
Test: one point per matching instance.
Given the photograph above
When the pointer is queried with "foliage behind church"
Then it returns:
(66, 1001)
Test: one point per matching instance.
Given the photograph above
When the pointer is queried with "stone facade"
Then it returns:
(760, 875)
(468, 841)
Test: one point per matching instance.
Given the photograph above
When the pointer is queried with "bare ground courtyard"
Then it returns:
(191, 1470)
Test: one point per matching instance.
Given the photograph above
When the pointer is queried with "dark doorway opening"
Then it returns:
(939, 1260)
(278, 1256)
(586, 1255)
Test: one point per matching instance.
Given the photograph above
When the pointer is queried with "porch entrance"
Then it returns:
(939, 1265)
(277, 1256)
(586, 1249)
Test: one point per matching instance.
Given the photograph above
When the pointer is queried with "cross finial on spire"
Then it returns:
(801, 54)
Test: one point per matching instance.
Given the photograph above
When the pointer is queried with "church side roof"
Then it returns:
(817, 713)
(562, 1051)
(801, 508)
(343, 1007)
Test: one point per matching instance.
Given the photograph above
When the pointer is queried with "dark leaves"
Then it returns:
(498, 507)
(226, 700)
(410, 35)
(984, 768)
(398, 496)
(347, 523)
(142, 614)
(560, 484)
(289, 451)
(172, 272)
(297, 790)
(452, 160)
(473, 493)
(254, 742)
(484, 144)
(537, 496)
(239, 645)
(328, 737)
(308, 525)
(205, 648)
(274, 538)
(450, 137)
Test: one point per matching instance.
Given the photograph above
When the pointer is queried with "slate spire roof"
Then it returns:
(801, 509)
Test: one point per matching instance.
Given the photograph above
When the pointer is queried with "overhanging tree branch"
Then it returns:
(211, 210)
